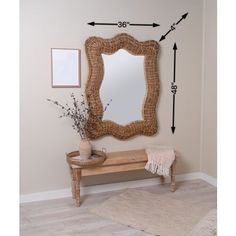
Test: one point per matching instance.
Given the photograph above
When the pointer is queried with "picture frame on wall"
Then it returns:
(65, 68)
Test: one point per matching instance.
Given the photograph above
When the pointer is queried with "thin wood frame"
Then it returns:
(95, 46)
(79, 69)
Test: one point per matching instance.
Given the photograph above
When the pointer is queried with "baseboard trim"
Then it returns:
(63, 193)
(208, 179)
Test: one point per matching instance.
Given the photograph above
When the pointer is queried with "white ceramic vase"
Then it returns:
(85, 148)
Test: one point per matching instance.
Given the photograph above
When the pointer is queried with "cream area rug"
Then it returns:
(153, 213)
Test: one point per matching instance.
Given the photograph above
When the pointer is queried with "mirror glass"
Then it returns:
(65, 67)
(124, 83)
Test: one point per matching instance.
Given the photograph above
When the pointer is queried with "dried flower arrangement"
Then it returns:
(79, 112)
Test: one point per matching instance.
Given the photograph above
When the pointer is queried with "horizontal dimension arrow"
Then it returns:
(173, 26)
(94, 23)
(153, 24)
(123, 24)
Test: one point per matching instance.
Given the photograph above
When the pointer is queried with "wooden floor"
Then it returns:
(61, 217)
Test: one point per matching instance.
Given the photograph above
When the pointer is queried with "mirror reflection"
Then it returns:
(124, 83)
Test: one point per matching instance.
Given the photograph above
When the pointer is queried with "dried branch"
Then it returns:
(79, 112)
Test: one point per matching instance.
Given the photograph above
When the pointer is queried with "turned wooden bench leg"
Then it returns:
(77, 177)
(173, 185)
(72, 183)
(162, 179)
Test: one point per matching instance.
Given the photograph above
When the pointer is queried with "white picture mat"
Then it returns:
(65, 67)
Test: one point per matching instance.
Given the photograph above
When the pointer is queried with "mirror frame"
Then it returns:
(95, 47)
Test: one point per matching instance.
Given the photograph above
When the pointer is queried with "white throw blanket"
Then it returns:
(160, 159)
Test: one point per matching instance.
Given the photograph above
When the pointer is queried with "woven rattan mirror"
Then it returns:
(96, 47)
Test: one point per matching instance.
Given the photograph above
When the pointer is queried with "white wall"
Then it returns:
(209, 91)
(61, 23)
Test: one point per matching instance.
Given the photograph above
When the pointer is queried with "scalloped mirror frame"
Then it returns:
(98, 127)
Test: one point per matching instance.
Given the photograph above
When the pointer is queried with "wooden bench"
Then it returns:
(115, 162)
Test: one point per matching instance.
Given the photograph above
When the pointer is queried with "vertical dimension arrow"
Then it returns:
(174, 90)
